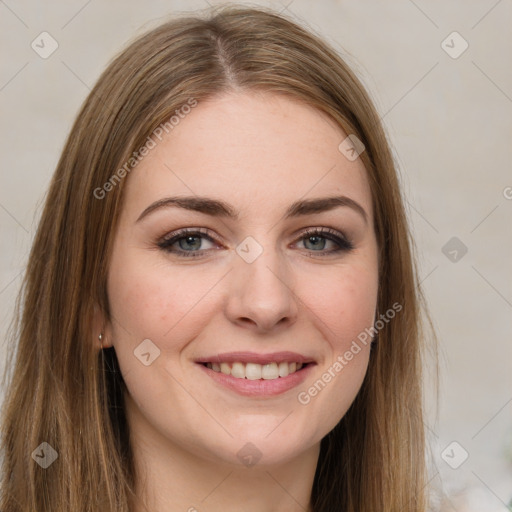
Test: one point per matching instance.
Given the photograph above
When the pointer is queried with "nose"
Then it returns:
(261, 295)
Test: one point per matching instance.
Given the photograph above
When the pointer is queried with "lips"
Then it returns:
(252, 384)
(253, 357)
(253, 374)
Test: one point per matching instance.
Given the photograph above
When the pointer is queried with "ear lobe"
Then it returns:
(101, 329)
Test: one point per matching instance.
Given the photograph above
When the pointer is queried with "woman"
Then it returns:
(221, 307)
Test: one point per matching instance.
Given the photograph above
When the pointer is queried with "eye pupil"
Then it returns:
(318, 241)
(187, 239)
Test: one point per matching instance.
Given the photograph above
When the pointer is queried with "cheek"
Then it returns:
(343, 302)
(343, 307)
(148, 301)
(151, 301)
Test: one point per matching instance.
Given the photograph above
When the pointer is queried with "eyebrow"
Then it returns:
(217, 208)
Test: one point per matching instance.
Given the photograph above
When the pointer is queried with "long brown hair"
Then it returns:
(62, 392)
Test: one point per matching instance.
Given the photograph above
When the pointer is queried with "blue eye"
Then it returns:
(186, 239)
(188, 243)
(318, 238)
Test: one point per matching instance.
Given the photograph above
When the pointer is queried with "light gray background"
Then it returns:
(450, 123)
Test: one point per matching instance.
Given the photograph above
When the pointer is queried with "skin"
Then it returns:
(259, 152)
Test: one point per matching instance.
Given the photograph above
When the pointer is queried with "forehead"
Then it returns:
(250, 149)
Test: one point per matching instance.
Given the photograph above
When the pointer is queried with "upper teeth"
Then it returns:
(253, 371)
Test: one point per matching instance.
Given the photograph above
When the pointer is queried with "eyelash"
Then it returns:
(165, 243)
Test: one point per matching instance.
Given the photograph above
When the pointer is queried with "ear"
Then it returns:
(101, 325)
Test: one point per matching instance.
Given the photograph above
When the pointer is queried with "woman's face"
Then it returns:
(257, 284)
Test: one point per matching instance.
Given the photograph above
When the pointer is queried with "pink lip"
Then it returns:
(259, 387)
(253, 357)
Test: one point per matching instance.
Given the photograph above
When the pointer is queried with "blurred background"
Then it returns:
(440, 76)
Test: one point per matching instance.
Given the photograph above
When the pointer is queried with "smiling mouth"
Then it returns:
(254, 371)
